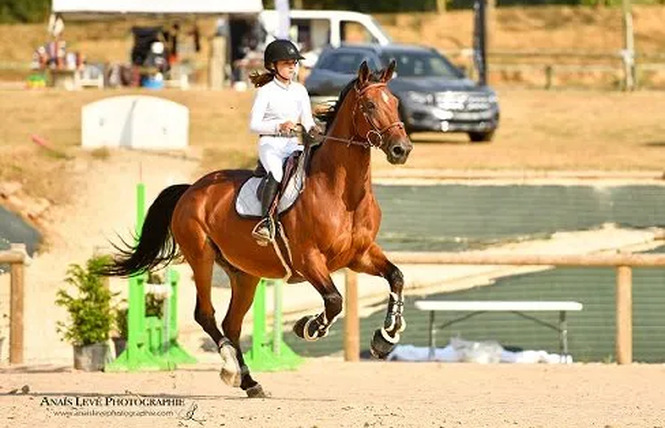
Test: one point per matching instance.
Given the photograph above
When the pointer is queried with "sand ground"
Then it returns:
(327, 392)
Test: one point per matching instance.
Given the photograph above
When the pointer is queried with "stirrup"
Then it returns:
(264, 231)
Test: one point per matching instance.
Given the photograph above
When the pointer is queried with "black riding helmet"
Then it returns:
(280, 50)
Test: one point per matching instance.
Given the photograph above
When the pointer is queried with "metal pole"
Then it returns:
(136, 312)
(166, 313)
(628, 53)
(563, 335)
(351, 321)
(549, 74)
(432, 335)
(277, 318)
(140, 208)
(259, 321)
(480, 40)
(16, 308)
(624, 315)
(173, 305)
(490, 29)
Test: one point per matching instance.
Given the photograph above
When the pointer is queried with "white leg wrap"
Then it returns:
(390, 326)
(386, 336)
(394, 311)
(403, 326)
(230, 373)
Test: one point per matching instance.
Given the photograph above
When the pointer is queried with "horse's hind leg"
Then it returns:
(374, 262)
(200, 257)
(243, 287)
(200, 254)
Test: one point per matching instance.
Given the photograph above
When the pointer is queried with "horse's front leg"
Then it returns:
(314, 327)
(374, 262)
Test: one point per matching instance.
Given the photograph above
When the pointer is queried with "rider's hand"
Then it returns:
(287, 127)
(316, 131)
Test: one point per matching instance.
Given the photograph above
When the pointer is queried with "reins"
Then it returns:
(375, 136)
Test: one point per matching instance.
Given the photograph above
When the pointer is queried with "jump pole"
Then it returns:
(269, 353)
(137, 354)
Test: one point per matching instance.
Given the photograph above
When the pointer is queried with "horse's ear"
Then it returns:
(387, 74)
(363, 73)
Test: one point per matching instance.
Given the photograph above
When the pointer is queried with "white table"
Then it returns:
(475, 307)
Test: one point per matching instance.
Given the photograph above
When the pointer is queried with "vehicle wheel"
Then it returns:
(481, 137)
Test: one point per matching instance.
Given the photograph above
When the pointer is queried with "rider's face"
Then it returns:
(286, 68)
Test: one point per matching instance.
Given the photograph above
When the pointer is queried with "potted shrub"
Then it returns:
(91, 314)
(154, 302)
(120, 340)
(154, 305)
(155, 278)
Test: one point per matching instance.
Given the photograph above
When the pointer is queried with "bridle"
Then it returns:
(374, 137)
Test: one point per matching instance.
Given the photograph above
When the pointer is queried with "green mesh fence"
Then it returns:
(453, 218)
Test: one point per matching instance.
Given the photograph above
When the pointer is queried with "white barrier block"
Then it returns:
(135, 121)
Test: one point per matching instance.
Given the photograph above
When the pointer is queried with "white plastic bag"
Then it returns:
(477, 352)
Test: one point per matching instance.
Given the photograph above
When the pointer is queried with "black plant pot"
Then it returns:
(120, 344)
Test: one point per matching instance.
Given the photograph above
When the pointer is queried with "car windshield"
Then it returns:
(346, 62)
(421, 64)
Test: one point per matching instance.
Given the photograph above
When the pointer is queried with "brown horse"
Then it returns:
(332, 225)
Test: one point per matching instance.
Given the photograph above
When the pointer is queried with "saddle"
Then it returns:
(248, 199)
(289, 167)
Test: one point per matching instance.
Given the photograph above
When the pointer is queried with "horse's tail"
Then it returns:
(156, 245)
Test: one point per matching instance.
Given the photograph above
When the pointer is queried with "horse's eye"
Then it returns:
(370, 105)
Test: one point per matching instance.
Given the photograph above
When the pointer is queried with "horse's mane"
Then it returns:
(329, 116)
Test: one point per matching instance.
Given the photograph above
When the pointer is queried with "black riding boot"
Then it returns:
(264, 232)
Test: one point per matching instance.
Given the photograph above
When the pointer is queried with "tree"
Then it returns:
(24, 10)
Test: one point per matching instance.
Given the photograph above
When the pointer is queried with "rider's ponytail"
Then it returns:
(261, 79)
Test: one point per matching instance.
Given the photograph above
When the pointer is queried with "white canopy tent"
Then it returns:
(160, 7)
(85, 10)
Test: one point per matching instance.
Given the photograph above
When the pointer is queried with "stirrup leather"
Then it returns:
(264, 231)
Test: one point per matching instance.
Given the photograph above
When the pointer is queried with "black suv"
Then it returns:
(434, 95)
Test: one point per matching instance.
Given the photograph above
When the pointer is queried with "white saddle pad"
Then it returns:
(248, 205)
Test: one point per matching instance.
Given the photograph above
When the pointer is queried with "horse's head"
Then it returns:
(376, 116)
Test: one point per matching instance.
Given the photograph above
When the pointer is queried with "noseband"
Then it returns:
(374, 137)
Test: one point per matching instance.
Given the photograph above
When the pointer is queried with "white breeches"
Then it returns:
(274, 150)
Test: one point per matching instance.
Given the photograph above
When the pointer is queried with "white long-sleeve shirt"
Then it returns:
(276, 103)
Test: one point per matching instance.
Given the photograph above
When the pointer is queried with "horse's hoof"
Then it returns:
(256, 392)
(305, 329)
(299, 327)
(380, 346)
(230, 378)
(230, 372)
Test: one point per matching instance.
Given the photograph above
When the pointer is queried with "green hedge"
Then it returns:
(13, 11)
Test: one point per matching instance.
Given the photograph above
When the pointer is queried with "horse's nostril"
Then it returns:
(398, 151)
